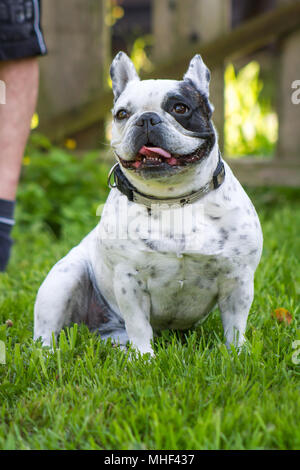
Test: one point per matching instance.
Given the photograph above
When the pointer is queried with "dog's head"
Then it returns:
(161, 128)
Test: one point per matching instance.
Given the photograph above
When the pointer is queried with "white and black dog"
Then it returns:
(178, 234)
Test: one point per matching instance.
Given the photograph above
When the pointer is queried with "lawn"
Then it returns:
(193, 395)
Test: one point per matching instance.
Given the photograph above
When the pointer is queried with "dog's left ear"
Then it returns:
(122, 71)
(199, 75)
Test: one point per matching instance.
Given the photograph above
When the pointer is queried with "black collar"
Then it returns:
(123, 185)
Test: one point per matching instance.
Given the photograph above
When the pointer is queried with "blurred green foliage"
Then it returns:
(140, 53)
(251, 125)
(58, 187)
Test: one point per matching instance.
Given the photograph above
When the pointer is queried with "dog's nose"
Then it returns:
(148, 120)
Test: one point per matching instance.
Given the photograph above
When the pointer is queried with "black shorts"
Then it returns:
(20, 29)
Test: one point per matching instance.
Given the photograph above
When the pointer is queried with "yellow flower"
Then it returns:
(118, 12)
(34, 121)
(70, 144)
(26, 161)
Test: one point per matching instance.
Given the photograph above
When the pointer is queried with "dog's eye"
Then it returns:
(122, 114)
(180, 108)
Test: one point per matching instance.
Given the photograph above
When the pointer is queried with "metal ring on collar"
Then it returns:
(110, 174)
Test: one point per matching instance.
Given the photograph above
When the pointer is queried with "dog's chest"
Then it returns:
(182, 286)
(170, 254)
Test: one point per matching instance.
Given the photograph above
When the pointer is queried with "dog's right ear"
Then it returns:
(122, 71)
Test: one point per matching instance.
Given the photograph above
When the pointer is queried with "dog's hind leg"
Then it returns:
(101, 319)
(62, 296)
(69, 295)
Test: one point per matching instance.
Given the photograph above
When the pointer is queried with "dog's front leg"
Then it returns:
(235, 299)
(134, 305)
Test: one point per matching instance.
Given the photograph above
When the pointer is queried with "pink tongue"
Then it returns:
(152, 151)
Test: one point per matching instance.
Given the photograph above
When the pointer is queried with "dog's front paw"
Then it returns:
(144, 352)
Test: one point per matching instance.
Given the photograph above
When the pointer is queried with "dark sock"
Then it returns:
(6, 225)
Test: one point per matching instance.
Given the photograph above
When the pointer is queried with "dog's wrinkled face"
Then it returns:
(161, 127)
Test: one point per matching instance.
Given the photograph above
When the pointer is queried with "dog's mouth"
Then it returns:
(150, 156)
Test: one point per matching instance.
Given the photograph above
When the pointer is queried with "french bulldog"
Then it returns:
(178, 235)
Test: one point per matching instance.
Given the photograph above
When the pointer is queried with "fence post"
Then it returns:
(78, 42)
(289, 98)
(178, 23)
(164, 28)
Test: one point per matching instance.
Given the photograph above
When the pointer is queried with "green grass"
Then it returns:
(193, 395)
